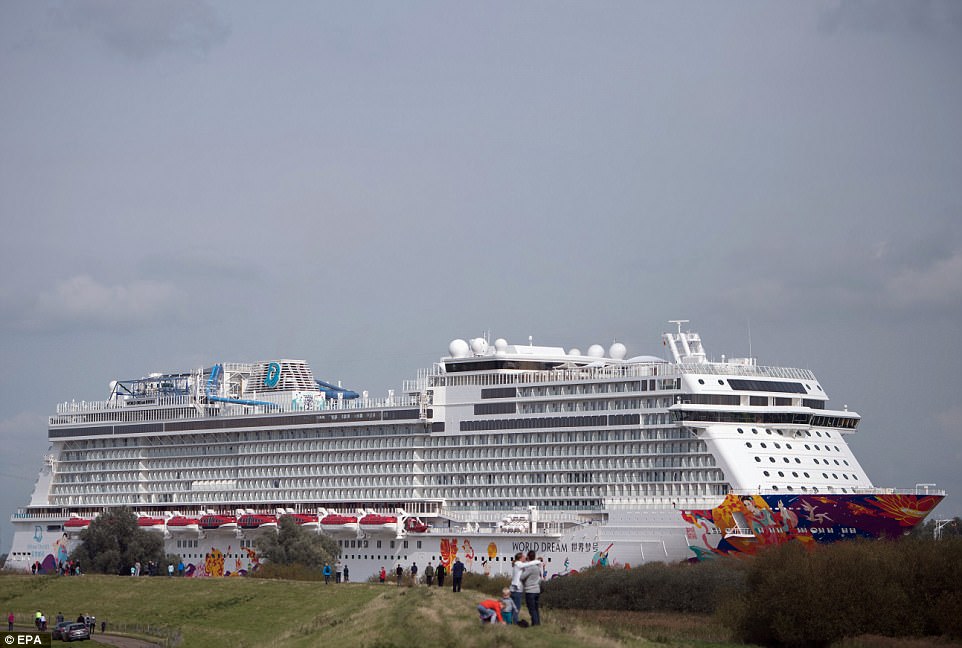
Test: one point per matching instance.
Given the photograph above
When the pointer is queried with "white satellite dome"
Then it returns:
(617, 351)
(500, 344)
(458, 348)
(574, 351)
(596, 351)
(479, 345)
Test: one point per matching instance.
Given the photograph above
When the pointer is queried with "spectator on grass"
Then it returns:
(457, 573)
(488, 610)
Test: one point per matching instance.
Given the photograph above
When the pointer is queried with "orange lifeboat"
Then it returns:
(378, 524)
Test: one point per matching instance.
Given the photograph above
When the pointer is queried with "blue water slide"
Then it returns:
(334, 392)
(212, 382)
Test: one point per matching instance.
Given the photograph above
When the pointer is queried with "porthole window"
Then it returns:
(788, 445)
(837, 463)
(794, 474)
(758, 459)
(817, 433)
(790, 488)
(797, 460)
(834, 476)
(721, 382)
(828, 434)
(815, 460)
(805, 473)
(781, 474)
(772, 459)
(778, 445)
(817, 448)
(775, 488)
(701, 381)
(766, 473)
(754, 431)
(748, 444)
(844, 476)
(764, 445)
(785, 459)
(767, 431)
(825, 475)
(844, 461)
(741, 431)
(808, 447)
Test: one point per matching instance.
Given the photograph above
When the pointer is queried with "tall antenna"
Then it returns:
(750, 338)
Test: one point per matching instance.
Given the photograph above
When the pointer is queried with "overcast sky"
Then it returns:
(358, 183)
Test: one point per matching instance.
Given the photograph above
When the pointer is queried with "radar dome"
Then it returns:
(574, 351)
(500, 344)
(458, 348)
(596, 351)
(479, 345)
(617, 351)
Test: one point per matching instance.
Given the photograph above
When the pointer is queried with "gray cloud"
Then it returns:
(142, 30)
(925, 17)
(81, 301)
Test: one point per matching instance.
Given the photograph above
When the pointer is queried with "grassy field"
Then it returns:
(256, 612)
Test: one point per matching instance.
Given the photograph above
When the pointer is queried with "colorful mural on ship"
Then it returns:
(745, 524)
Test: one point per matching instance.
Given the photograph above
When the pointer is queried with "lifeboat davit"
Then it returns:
(76, 525)
(335, 524)
(181, 523)
(306, 520)
(150, 523)
(214, 522)
(374, 523)
(256, 521)
(415, 525)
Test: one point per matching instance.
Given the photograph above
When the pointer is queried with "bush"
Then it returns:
(287, 572)
(799, 597)
(680, 587)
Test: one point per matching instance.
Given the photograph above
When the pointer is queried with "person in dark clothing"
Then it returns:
(457, 572)
(399, 572)
(347, 574)
(439, 574)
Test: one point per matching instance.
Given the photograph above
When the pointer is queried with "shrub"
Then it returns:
(798, 597)
(681, 587)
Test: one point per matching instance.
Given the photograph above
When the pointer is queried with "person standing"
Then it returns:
(10, 620)
(517, 568)
(531, 582)
(457, 573)
(439, 573)
(414, 572)
(327, 574)
(382, 575)
(429, 575)
(399, 572)
(347, 574)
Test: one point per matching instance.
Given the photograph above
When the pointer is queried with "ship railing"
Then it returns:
(921, 489)
(655, 370)
(185, 407)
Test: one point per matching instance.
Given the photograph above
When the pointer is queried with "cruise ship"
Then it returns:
(589, 458)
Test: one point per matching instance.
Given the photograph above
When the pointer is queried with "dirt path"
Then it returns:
(122, 642)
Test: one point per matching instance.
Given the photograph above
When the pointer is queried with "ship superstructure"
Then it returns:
(589, 457)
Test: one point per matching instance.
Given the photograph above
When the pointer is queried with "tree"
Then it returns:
(113, 543)
(934, 528)
(295, 545)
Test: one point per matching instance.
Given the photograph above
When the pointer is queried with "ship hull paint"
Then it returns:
(739, 525)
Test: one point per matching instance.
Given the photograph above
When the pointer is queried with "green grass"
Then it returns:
(287, 614)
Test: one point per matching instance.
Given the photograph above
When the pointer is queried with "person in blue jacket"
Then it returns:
(327, 573)
(457, 572)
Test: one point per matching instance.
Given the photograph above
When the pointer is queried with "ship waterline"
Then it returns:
(587, 458)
